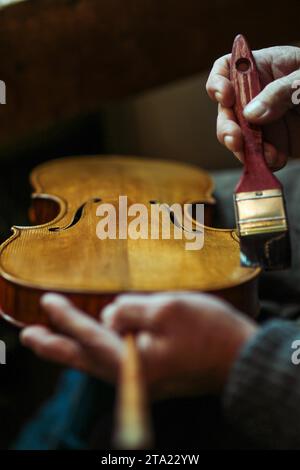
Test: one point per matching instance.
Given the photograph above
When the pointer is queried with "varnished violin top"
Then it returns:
(65, 254)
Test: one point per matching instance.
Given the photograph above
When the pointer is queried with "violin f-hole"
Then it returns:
(76, 218)
(174, 219)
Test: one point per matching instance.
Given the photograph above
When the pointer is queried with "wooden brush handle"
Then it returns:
(245, 79)
(133, 429)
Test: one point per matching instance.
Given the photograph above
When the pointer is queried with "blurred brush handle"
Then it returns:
(245, 79)
(133, 431)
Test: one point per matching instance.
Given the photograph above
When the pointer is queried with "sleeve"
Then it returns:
(262, 396)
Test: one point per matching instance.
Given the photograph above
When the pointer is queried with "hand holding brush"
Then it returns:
(260, 209)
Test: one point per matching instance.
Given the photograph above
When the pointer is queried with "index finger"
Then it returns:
(70, 321)
(218, 85)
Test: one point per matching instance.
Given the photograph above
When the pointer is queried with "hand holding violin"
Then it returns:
(193, 356)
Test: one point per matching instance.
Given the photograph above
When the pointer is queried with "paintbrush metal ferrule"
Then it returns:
(260, 212)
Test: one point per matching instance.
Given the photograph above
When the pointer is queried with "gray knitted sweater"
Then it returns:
(262, 396)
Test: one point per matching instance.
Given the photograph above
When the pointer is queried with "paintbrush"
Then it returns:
(258, 199)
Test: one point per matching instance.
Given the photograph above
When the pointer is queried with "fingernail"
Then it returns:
(107, 314)
(228, 141)
(54, 299)
(218, 96)
(255, 109)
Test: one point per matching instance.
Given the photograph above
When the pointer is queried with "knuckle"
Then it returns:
(217, 62)
(220, 64)
(172, 308)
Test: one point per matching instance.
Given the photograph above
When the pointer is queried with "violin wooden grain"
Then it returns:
(71, 259)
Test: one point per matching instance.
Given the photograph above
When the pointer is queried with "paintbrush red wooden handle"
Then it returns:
(245, 79)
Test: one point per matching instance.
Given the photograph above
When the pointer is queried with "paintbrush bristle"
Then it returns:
(270, 251)
(263, 229)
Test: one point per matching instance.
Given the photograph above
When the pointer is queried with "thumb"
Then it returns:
(128, 313)
(274, 100)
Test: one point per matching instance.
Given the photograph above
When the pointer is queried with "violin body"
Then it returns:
(62, 253)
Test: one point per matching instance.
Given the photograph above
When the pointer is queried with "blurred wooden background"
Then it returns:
(62, 59)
